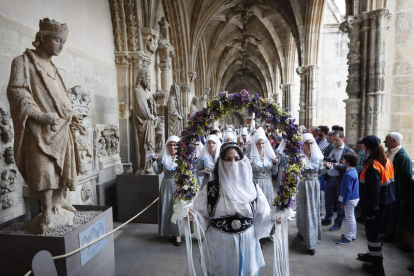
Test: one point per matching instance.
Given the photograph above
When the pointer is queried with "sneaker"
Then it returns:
(343, 240)
(343, 236)
(335, 227)
(326, 222)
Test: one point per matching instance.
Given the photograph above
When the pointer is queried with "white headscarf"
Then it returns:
(219, 134)
(316, 153)
(165, 155)
(199, 148)
(236, 180)
(229, 135)
(268, 151)
(244, 132)
(205, 154)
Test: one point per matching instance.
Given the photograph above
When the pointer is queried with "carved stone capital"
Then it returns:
(185, 87)
(192, 75)
(122, 60)
(301, 70)
(150, 40)
(379, 12)
(161, 96)
(141, 60)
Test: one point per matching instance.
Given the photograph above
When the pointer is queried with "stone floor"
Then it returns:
(140, 251)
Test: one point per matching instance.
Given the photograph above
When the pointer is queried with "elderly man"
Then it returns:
(334, 180)
(314, 130)
(403, 173)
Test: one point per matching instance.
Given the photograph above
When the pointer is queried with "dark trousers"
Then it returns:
(373, 229)
(332, 192)
(391, 217)
(362, 201)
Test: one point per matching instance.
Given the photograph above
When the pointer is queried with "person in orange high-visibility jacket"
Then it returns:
(378, 177)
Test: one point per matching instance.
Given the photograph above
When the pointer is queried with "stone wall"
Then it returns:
(399, 83)
(332, 73)
(87, 60)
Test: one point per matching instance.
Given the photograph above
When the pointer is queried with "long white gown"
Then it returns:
(234, 254)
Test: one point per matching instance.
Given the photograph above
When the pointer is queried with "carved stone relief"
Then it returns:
(6, 129)
(106, 146)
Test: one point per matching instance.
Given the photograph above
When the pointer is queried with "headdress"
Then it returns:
(51, 27)
(230, 145)
(316, 153)
(205, 154)
(268, 150)
(165, 155)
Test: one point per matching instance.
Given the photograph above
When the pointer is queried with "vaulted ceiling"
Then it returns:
(241, 43)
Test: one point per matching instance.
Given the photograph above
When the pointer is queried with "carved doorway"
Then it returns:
(234, 118)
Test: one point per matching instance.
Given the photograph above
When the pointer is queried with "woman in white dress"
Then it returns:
(207, 158)
(198, 149)
(235, 213)
(244, 139)
(166, 163)
(264, 164)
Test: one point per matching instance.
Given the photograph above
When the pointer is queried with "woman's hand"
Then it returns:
(207, 170)
(154, 158)
(190, 215)
(251, 160)
(274, 160)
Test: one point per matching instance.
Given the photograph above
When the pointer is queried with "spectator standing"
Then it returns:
(349, 196)
(403, 173)
(359, 167)
(378, 177)
(334, 180)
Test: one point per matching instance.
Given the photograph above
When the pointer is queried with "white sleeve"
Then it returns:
(261, 219)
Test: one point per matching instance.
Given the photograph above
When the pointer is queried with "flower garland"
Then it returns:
(267, 111)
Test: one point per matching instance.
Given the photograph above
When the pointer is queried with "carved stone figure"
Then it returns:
(7, 202)
(44, 123)
(175, 112)
(6, 130)
(7, 183)
(145, 114)
(86, 192)
(194, 105)
(159, 135)
(106, 146)
(9, 156)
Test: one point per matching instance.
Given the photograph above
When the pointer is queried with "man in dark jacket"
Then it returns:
(403, 173)
(334, 180)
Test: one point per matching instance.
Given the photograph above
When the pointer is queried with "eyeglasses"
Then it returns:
(309, 144)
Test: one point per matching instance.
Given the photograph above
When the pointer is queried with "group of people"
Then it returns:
(373, 180)
(239, 175)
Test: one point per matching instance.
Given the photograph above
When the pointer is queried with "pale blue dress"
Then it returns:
(308, 203)
(262, 176)
(166, 201)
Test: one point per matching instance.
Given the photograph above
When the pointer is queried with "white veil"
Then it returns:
(199, 148)
(229, 135)
(244, 132)
(205, 154)
(165, 155)
(236, 180)
(268, 151)
(316, 153)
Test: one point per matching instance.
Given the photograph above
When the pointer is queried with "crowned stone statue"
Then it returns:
(194, 105)
(45, 148)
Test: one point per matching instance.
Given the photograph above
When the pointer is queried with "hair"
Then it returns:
(340, 133)
(396, 136)
(330, 133)
(324, 129)
(226, 147)
(351, 158)
(306, 131)
(336, 127)
(39, 39)
(214, 131)
(377, 153)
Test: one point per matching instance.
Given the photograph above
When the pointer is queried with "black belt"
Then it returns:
(233, 224)
(333, 176)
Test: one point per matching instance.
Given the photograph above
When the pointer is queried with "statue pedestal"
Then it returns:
(134, 193)
(18, 249)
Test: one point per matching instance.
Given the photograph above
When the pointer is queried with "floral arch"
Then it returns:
(223, 104)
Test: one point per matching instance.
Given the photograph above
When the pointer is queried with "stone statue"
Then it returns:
(175, 112)
(194, 105)
(6, 130)
(145, 114)
(45, 148)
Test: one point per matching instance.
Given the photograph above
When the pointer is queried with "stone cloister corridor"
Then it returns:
(137, 71)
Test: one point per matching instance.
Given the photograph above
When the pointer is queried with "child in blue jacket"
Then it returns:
(349, 196)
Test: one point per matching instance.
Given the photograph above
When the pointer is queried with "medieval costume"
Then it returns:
(206, 160)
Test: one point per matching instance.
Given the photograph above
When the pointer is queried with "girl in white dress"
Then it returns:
(207, 158)
(235, 214)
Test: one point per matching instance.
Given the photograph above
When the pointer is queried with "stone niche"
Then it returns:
(85, 193)
(11, 193)
(106, 147)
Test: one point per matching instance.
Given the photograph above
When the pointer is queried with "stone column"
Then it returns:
(185, 90)
(285, 100)
(353, 104)
(302, 72)
(123, 65)
(312, 94)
